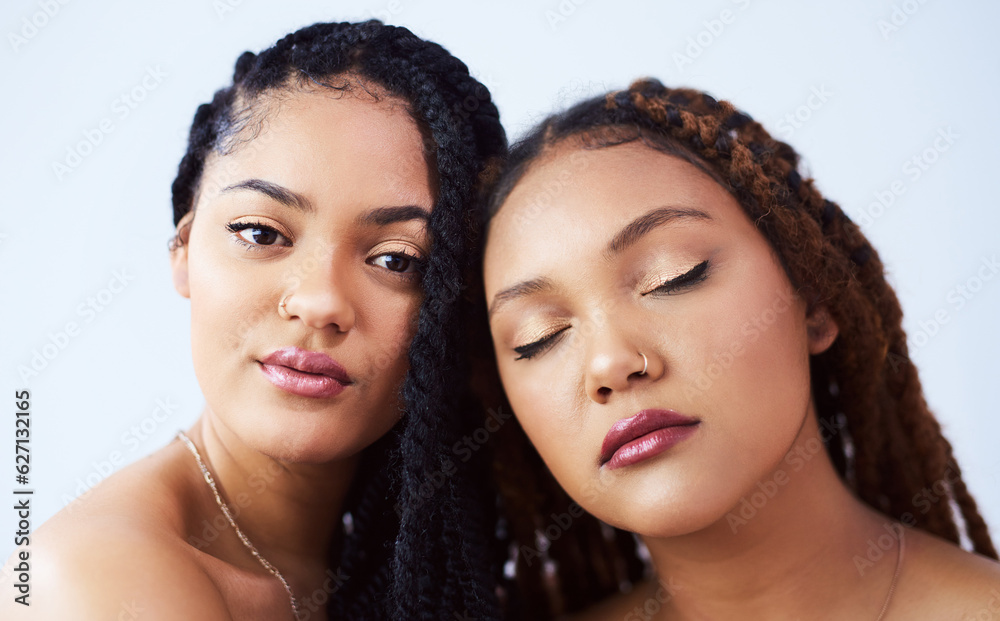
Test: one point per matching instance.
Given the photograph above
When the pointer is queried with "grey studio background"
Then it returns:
(891, 104)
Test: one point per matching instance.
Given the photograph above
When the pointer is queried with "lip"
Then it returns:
(648, 433)
(305, 373)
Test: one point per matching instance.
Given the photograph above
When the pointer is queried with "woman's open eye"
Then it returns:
(680, 283)
(529, 351)
(398, 262)
(256, 234)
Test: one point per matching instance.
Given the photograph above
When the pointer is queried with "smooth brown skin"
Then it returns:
(284, 461)
(793, 559)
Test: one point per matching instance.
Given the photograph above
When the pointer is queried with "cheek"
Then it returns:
(545, 409)
(230, 304)
(752, 385)
(388, 322)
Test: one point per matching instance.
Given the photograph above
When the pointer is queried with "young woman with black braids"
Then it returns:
(705, 352)
(320, 213)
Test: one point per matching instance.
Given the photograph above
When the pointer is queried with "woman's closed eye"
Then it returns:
(540, 346)
(683, 282)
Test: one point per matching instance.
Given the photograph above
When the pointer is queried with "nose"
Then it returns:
(320, 295)
(614, 363)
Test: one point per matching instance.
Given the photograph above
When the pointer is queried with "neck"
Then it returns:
(799, 546)
(290, 512)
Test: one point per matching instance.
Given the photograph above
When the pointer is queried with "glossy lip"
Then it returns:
(648, 433)
(305, 373)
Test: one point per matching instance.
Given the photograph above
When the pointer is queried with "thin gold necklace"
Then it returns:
(229, 516)
(895, 575)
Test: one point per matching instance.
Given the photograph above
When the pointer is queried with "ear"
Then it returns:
(179, 255)
(822, 330)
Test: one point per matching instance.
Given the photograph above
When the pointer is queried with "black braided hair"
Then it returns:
(409, 553)
(890, 447)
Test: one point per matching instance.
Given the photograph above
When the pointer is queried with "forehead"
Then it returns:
(317, 136)
(575, 200)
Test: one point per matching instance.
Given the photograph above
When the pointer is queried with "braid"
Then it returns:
(890, 449)
(434, 560)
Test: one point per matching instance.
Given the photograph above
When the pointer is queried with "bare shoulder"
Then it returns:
(939, 580)
(115, 570)
(115, 553)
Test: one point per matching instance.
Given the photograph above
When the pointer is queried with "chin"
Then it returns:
(662, 507)
(309, 439)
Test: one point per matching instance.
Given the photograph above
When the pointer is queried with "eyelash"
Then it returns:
(683, 282)
(237, 227)
(418, 264)
(673, 286)
(540, 346)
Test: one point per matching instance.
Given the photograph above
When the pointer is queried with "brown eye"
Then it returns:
(397, 262)
(256, 233)
(262, 237)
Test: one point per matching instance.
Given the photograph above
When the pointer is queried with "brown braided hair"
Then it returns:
(890, 450)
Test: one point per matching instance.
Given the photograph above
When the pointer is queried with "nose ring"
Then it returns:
(645, 363)
(282, 311)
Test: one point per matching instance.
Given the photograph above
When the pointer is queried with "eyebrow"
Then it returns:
(634, 230)
(381, 216)
(521, 289)
(273, 190)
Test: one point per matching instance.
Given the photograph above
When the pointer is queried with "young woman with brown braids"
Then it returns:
(705, 352)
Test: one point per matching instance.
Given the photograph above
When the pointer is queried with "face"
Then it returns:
(601, 257)
(325, 209)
